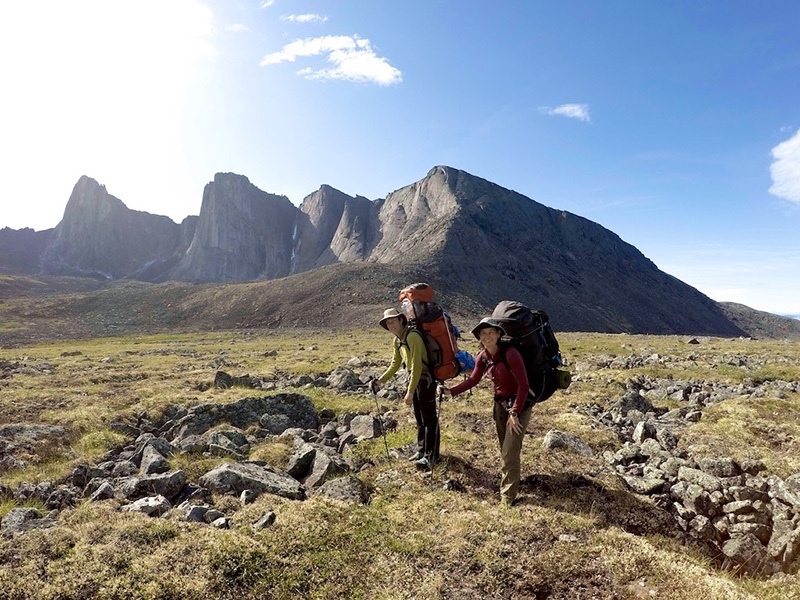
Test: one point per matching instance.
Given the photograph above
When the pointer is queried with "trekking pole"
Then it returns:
(380, 419)
(440, 391)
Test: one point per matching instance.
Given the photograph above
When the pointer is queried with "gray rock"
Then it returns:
(196, 513)
(666, 438)
(672, 465)
(152, 506)
(697, 499)
(326, 466)
(16, 519)
(720, 467)
(631, 400)
(643, 430)
(238, 477)
(650, 447)
(349, 490)
(232, 438)
(153, 462)
(752, 466)
(164, 484)
(759, 530)
(366, 427)
(276, 413)
(738, 507)
(342, 378)
(301, 460)
(744, 554)
(104, 492)
(212, 514)
(267, 519)
(221, 523)
(788, 490)
(642, 485)
(704, 480)
(194, 444)
(784, 544)
(388, 480)
(701, 527)
(555, 440)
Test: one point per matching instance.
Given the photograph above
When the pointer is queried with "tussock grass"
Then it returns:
(576, 533)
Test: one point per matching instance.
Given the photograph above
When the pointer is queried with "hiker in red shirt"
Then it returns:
(512, 410)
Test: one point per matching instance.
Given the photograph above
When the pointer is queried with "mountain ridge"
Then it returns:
(473, 236)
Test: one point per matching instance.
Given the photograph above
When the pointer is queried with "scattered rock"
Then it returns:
(556, 440)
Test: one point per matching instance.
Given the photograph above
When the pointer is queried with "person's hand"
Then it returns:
(446, 391)
(514, 425)
(409, 399)
(375, 386)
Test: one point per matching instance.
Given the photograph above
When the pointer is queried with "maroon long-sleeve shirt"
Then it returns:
(508, 377)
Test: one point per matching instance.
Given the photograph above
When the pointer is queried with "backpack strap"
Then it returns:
(403, 342)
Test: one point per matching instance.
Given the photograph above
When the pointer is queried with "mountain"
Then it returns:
(21, 249)
(470, 237)
(101, 237)
(761, 324)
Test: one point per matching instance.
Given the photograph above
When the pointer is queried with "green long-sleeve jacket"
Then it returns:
(410, 351)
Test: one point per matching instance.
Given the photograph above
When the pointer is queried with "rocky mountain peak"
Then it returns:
(242, 233)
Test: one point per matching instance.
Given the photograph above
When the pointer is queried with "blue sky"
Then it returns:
(674, 124)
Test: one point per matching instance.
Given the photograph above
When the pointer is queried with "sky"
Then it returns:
(676, 125)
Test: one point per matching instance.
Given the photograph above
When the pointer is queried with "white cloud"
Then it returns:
(237, 28)
(573, 111)
(304, 18)
(267, 3)
(785, 169)
(353, 59)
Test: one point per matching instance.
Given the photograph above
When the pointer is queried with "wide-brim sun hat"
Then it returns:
(487, 322)
(390, 313)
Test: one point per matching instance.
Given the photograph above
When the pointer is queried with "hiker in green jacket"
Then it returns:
(409, 350)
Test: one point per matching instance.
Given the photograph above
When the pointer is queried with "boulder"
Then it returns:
(696, 476)
(349, 490)
(342, 378)
(556, 440)
(366, 427)
(745, 554)
(301, 460)
(237, 477)
(326, 466)
(163, 484)
(152, 506)
(153, 462)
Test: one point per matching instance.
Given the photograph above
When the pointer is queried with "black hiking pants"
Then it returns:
(427, 419)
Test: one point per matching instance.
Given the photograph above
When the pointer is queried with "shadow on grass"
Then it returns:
(579, 495)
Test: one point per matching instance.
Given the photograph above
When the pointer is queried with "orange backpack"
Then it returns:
(433, 324)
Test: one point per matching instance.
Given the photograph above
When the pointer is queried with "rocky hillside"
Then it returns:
(761, 324)
(468, 236)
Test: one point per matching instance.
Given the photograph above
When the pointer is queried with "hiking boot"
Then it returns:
(423, 463)
(416, 456)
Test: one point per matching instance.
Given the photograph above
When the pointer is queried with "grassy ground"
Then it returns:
(575, 534)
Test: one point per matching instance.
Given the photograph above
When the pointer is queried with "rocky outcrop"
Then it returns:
(242, 234)
(748, 519)
(100, 237)
(332, 227)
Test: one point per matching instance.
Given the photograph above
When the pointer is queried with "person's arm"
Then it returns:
(416, 350)
(517, 368)
(395, 364)
(477, 372)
